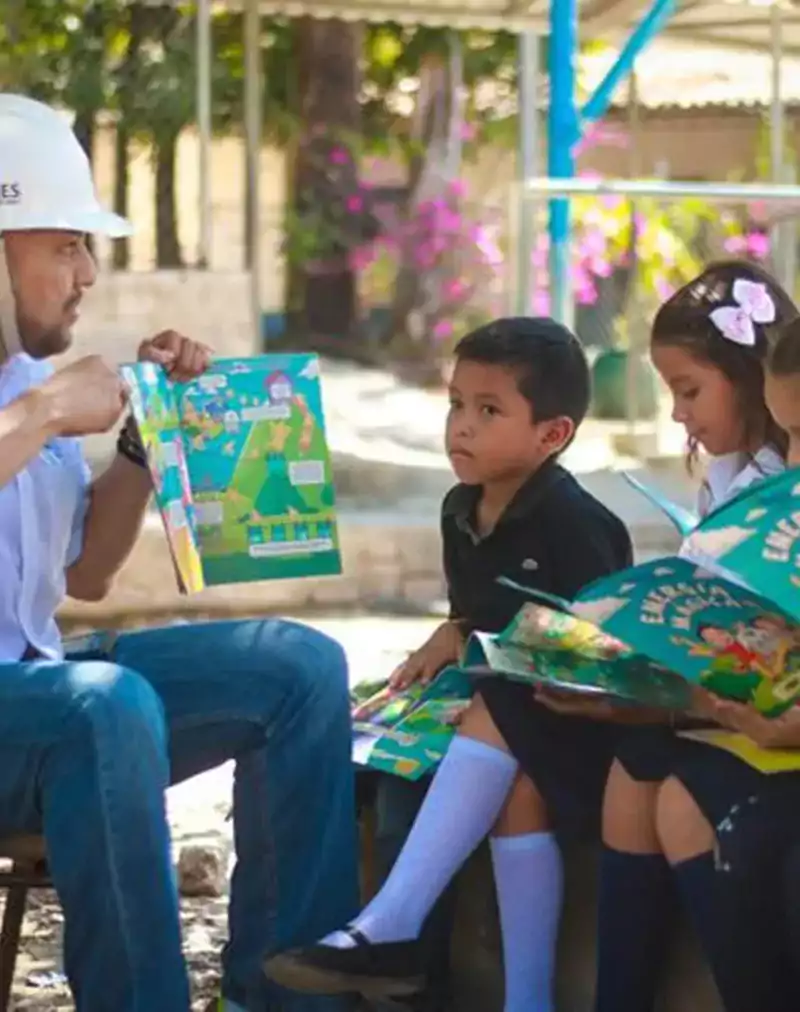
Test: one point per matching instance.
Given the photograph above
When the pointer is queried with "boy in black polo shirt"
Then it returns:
(517, 769)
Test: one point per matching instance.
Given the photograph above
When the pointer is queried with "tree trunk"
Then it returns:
(436, 131)
(85, 127)
(137, 27)
(328, 81)
(168, 250)
(122, 253)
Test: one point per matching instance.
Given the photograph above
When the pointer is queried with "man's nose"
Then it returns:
(87, 269)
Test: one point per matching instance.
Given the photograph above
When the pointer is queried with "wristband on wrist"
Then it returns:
(129, 444)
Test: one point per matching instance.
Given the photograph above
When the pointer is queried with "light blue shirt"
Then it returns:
(42, 513)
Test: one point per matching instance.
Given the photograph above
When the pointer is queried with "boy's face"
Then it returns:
(782, 394)
(490, 434)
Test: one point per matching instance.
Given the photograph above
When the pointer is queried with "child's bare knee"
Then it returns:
(683, 830)
(525, 810)
(476, 722)
(629, 813)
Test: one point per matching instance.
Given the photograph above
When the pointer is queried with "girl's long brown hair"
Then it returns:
(684, 321)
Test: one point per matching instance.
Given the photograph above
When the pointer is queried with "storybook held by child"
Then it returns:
(682, 519)
(647, 634)
(700, 626)
(407, 732)
(757, 535)
(241, 469)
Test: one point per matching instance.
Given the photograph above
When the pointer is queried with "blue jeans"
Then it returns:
(87, 748)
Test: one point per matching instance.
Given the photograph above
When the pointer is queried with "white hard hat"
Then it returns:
(45, 183)
(45, 177)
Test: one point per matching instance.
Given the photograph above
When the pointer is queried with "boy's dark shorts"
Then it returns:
(567, 758)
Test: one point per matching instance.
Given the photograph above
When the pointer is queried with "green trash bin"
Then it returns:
(610, 387)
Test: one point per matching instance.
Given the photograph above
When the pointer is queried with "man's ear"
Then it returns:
(558, 433)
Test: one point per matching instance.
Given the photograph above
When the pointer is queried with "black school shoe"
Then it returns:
(385, 970)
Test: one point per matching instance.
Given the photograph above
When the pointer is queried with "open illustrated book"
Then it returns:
(241, 469)
(647, 634)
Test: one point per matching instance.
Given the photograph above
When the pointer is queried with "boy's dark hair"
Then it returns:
(784, 356)
(546, 358)
(684, 321)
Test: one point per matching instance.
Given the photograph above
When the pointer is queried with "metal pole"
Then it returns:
(204, 128)
(633, 308)
(252, 125)
(529, 44)
(561, 131)
(642, 35)
(664, 189)
(776, 135)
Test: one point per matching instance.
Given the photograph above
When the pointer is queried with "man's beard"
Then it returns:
(43, 342)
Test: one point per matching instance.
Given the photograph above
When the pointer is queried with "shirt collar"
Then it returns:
(731, 473)
(462, 502)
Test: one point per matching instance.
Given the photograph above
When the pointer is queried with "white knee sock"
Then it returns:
(460, 808)
(528, 876)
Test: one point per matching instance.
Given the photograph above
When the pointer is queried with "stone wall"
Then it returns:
(125, 307)
(392, 567)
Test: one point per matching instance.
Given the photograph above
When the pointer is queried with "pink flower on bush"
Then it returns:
(442, 330)
(338, 156)
(354, 203)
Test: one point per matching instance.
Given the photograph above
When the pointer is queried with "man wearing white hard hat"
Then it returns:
(89, 743)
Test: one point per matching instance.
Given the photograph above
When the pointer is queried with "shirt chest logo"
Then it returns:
(530, 565)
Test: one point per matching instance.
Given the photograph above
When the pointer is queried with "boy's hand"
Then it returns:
(766, 732)
(443, 648)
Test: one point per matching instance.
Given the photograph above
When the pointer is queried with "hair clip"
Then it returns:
(754, 304)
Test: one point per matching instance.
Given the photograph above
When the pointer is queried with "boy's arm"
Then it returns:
(445, 644)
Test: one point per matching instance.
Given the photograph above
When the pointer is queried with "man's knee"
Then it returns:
(317, 663)
(110, 697)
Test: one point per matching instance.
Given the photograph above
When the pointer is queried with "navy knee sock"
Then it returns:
(636, 913)
(738, 920)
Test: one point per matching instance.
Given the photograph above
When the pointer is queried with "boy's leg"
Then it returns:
(83, 757)
(273, 695)
(398, 803)
(381, 955)
(528, 873)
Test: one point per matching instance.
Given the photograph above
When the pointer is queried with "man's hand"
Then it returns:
(182, 358)
(766, 732)
(84, 398)
(443, 648)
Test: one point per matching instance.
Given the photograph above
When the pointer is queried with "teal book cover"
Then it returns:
(710, 631)
(682, 519)
(757, 535)
(553, 648)
(407, 733)
(241, 469)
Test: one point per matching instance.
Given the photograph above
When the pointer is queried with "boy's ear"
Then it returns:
(558, 433)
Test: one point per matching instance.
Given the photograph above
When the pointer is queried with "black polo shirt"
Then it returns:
(553, 536)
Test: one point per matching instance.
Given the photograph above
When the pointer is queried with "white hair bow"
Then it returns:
(754, 304)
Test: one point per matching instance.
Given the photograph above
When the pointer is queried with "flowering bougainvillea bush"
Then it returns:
(457, 248)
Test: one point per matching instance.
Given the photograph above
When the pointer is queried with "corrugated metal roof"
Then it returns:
(672, 73)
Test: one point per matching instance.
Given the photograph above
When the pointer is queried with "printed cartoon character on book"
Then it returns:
(756, 661)
(539, 627)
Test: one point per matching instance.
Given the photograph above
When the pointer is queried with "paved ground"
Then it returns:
(197, 811)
